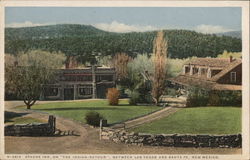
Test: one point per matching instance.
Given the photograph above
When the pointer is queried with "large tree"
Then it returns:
(27, 74)
(160, 55)
(120, 62)
(140, 70)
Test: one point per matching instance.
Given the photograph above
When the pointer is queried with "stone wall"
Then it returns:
(174, 140)
(32, 129)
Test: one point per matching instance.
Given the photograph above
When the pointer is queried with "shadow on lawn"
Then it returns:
(82, 108)
(10, 115)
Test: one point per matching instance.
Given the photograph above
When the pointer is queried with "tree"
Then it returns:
(83, 41)
(120, 62)
(140, 71)
(160, 54)
(226, 54)
(30, 72)
(104, 61)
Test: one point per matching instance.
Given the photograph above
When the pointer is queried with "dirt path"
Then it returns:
(174, 104)
(86, 142)
(148, 118)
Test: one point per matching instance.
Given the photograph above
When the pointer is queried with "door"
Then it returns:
(68, 93)
(102, 89)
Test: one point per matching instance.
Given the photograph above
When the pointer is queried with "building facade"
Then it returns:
(72, 84)
(211, 73)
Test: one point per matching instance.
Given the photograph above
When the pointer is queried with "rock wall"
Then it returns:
(174, 140)
(33, 129)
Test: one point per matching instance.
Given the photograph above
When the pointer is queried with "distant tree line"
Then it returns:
(87, 41)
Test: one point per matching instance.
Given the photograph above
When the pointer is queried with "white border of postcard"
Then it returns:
(74, 3)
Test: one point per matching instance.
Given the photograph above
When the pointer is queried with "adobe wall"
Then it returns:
(173, 140)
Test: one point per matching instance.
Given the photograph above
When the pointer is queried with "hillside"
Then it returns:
(84, 41)
(235, 34)
(52, 31)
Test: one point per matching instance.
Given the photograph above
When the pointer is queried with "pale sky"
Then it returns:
(127, 19)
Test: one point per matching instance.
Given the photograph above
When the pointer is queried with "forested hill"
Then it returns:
(84, 40)
(236, 34)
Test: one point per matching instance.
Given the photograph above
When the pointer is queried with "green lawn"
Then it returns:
(200, 120)
(77, 110)
(25, 120)
(17, 118)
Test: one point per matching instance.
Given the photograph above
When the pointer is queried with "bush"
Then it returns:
(214, 99)
(134, 98)
(113, 96)
(93, 118)
(197, 97)
(229, 98)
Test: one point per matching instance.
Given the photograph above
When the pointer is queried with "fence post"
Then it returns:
(52, 124)
(100, 129)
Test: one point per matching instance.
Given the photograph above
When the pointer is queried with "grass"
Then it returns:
(200, 120)
(25, 120)
(77, 110)
(17, 118)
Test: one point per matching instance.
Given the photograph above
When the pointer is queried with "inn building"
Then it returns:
(223, 74)
(71, 84)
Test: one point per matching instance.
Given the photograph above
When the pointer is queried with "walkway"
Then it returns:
(174, 105)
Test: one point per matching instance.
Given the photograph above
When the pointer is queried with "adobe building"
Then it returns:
(219, 74)
(72, 84)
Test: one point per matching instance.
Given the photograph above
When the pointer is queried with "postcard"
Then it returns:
(127, 80)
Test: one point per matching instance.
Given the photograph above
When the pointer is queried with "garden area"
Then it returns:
(197, 120)
(77, 110)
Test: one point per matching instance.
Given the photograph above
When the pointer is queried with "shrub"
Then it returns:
(134, 98)
(197, 97)
(228, 98)
(113, 96)
(93, 118)
(214, 99)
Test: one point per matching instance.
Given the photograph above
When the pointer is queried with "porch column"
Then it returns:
(75, 92)
(199, 71)
(184, 69)
(209, 74)
(191, 70)
(93, 82)
(62, 92)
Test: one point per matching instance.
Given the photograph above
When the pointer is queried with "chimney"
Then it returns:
(231, 59)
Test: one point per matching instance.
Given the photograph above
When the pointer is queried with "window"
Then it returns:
(84, 78)
(68, 78)
(195, 70)
(51, 91)
(86, 90)
(185, 69)
(203, 71)
(104, 78)
(233, 77)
